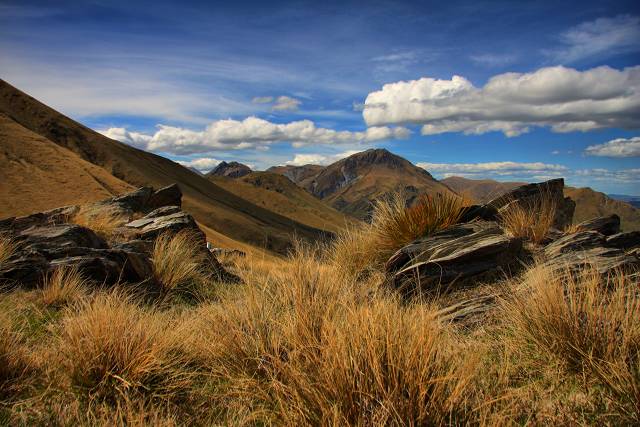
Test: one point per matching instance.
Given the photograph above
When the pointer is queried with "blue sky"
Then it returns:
(543, 89)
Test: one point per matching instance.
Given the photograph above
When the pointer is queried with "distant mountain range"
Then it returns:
(632, 200)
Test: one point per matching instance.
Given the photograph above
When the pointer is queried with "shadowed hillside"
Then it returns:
(211, 205)
(278, 194)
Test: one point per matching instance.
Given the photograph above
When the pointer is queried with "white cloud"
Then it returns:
(607, 175)
(262, 99)
(252, 132)
(203, 164)
(620, 147)
(479, 170)
(603, 36)
(286, 103)
(555, 152)
(318, 159)
(565, 99)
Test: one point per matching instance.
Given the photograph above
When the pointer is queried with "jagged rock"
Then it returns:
(166, 196)
(574, 242)
(553, 189)
(150, 228)
(135, 201)
(458, 252)
(607, 225)
(163, 211)
(628, 240)
(59, 236)
(25, 269)
(606, 261)
(484, 212)
(51, 217)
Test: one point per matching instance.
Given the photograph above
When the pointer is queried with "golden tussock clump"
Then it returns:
(529, 219)
(63, 286)
(102, 220)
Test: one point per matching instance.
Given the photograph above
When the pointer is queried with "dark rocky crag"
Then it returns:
(230, 170)
(479, 247)
(46, 240)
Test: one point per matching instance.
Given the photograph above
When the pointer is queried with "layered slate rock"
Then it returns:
(606, 225)
(45, 241)
(606, 261)
(527, 195)
(460, 252)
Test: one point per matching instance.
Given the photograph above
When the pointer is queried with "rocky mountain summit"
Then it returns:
(479, 247)
(230, 170)
(48, 240)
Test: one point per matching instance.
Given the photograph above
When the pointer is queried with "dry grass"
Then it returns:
(109, 347)
(63, 286)
(7, 248)
(531, 219)
(588, 324)
(102, 220)
(177, 264)
(15, 363)
(393, 225)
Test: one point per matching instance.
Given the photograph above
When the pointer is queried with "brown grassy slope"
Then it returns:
(278, 194)
(352, 184)
(589, 203)
(208, 203)
(480, 190)
(36, 174)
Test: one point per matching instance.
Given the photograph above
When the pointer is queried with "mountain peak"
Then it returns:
(230, 170)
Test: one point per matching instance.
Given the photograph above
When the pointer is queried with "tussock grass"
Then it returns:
(102, 220)
(529, 219)
(587, 323)
(15, 363)
(63, 286)
(110, 347)
(177, 264)
(393, 225)
(7, 248)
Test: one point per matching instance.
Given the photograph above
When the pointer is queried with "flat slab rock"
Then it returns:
(166, 219)
(606, 261)
(459, 252)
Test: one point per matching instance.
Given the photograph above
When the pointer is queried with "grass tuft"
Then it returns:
(529, 219)
(65, 285)
(102, 220)
(7, 248)
(15, 363)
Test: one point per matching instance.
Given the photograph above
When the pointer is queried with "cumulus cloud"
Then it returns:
(203, 164)
(252, 132)
(494, 168)
(286, 103)
(319, 159)
(620, 147)
(607, 175)
(594, 38)
(562, 98)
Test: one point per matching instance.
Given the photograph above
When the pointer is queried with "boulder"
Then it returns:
(166, 196)
(150, 228)
(59, 236)
(607, 225)
(606, 261)
(135, 201)
(574, 242)
(51, 217)
(628, 240)
(526, 194)
(456, 253)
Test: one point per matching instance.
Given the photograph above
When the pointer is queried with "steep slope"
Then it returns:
(211, 205)
(479, 190)
(351, 185)
(589, 203)
(36, 174)
(279, 194)
(231, 170)
(301, 175)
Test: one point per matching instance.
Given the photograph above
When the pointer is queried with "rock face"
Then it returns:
(45, 241)
(607, 225)
(230, 170)
(454, 254)
(527, 194)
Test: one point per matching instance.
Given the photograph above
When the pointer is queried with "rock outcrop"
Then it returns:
(478, 246)
(49, 240)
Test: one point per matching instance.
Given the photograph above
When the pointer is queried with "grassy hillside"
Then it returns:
(211, 205)
(278, 194)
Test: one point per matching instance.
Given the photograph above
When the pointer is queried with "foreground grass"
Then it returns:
(308, 340)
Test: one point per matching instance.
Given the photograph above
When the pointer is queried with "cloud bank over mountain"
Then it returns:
(561, 98)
